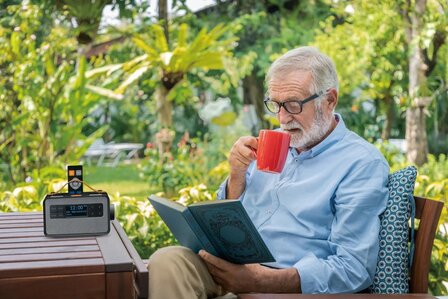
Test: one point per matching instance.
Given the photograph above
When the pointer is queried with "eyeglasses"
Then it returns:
(293, 107)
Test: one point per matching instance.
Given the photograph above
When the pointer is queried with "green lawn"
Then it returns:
(123, 179)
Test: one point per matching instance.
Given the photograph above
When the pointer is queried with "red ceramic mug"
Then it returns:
(272, 150)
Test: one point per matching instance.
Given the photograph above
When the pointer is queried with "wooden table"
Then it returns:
(35, 266)
(335, 296)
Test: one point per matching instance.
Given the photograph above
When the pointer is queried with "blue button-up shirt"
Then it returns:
(321, 213)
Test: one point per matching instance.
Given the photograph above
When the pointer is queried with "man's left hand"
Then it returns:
(251, 277)
(233, 277)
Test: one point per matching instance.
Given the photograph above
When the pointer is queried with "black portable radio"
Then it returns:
(77, 213)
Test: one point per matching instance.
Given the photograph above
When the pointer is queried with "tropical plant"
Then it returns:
(87, 14)
(43, 99)
(170, 64)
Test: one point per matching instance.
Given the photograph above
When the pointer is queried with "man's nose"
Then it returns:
(284, 116)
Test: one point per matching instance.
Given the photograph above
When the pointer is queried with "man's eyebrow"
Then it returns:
(288, 99)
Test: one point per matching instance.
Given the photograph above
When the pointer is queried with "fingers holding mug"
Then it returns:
(243, 152)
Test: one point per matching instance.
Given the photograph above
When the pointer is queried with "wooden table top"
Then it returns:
(25, 251)
(335, 296)
(26, 254)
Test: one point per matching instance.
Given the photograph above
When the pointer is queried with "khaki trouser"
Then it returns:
(178, 273)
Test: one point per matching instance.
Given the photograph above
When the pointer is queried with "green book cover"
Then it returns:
(222, 227)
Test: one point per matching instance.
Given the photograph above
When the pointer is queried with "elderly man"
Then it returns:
(319, 216)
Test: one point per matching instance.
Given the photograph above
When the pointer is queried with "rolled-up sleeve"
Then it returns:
(222, 193)
(357, 204)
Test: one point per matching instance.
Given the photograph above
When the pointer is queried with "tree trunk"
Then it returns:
(163, 16)
(390, 117)
(416, 139)
(253, 95)
(164, 106)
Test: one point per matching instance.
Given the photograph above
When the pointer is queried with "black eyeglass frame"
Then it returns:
(282, 104)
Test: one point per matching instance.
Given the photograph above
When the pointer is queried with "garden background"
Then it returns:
(187, 84)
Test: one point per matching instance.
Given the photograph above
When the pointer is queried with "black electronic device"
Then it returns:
(84, 214)
(74, 176)
(77, 213)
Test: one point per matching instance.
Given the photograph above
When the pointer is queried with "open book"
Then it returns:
(222, 227)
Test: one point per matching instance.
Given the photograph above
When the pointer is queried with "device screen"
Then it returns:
(75, 210)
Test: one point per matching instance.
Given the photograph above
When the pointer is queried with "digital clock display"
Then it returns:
(76, 210)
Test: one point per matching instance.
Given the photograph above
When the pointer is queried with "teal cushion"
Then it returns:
(392, 271)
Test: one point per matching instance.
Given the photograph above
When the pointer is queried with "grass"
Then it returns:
(123, 179)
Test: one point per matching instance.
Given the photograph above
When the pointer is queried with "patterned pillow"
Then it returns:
(392, 270)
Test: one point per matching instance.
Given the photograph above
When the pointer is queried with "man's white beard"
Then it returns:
(304, 139)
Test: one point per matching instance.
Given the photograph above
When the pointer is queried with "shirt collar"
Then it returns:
(337, 134)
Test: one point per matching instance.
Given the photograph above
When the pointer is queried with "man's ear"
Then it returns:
(332, 99)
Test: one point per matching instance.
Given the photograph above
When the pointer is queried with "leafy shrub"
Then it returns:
(23, 199)
(144, 226)
(393, 155)
(26, 197)
(186, 165)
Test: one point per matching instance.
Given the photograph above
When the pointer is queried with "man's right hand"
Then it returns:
(241, 155)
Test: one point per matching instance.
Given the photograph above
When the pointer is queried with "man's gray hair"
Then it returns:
(310, 59)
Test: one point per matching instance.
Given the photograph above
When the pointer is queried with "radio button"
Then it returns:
(91, 212)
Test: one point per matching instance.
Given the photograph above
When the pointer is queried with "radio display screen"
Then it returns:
(76, 210)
